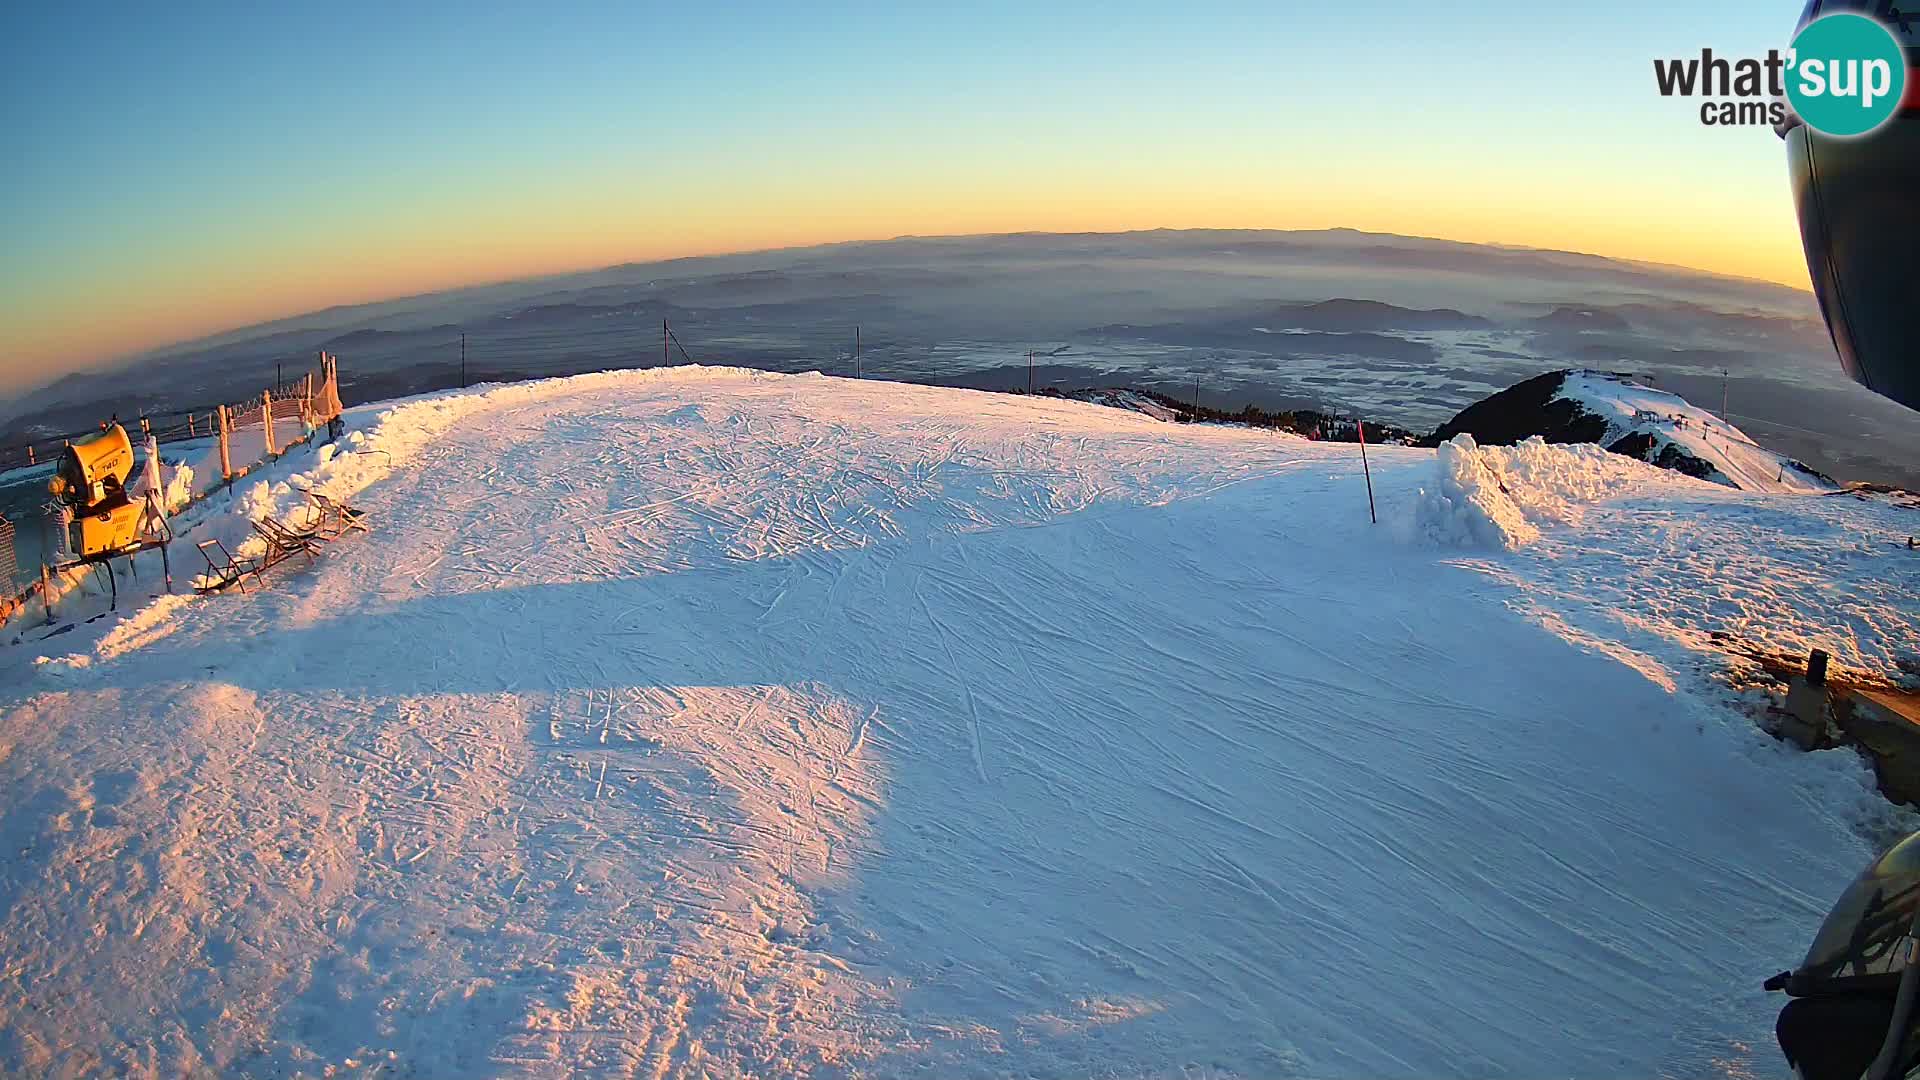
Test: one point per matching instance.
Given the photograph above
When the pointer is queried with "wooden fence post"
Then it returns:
(226, 461)
(266, 417)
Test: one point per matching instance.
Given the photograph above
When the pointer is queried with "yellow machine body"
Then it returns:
(92, 479)
(107, 529)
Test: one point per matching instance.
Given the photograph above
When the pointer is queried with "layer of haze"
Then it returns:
(181, 171)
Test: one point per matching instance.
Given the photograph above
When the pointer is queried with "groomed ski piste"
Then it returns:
(707, 722)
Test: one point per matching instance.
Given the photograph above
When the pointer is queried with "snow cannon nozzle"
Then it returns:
(95, 468)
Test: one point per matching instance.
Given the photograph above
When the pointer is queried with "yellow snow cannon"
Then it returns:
(91, 478)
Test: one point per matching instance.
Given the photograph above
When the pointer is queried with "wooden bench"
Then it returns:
(333, 518)
(283, 542)
(225, 570)
(330, 520)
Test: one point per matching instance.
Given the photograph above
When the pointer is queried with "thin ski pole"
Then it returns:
(1361, 426)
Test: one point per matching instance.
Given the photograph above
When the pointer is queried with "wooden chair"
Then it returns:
(334, 518)
(283, 542)
(226, 570)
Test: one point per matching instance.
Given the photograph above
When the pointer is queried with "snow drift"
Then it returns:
(1499, 497)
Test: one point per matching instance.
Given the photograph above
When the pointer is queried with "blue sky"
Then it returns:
(202, 167)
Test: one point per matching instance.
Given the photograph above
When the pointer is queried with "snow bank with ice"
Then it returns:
(176, 484)
(1499, 496)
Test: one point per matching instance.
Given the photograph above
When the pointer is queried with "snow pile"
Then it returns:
(143, 627)
(178, 489)
(1658, 425)
(1498, 496)
(176, 481)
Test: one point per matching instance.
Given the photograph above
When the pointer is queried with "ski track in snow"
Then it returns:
(797, 726)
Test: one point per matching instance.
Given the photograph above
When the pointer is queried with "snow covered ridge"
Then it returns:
(1662, 428)
(1635, 421)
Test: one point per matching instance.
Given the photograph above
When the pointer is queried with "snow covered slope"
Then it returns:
(1660, 427)
(1635, 421)
(703, 722)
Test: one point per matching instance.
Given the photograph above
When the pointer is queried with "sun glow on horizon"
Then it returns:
(58, 333)
(198, 189)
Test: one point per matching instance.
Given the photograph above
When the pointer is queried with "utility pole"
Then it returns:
(1196, 397)
(1726, 379)
(276, 378)
(463, 361)
(1029, 371)
(664, 333)
(856, 350)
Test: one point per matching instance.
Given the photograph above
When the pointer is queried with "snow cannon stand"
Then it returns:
(106, 521)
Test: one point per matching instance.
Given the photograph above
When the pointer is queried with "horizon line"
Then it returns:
(159, 351)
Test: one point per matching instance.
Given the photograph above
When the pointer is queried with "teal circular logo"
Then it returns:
(1846, 74)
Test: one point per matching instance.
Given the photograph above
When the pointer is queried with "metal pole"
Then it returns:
(1726, 378)
(664, 334)
(1361, 426)
(856, 350)
(276, 378)
(463, 361)
(1029, 371)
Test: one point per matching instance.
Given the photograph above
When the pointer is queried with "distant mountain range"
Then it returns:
(1396, 327)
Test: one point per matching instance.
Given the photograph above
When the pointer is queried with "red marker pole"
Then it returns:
(1361, 426)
